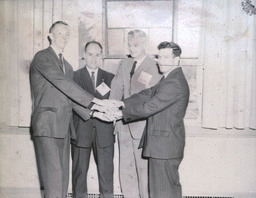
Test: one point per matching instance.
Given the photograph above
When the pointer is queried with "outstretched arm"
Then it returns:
(154, 101)
(44, 64)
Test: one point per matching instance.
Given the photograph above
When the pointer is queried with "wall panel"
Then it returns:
(47, 20)
(70, 16)
(25, 54)
(12, 50)
(38, 31)
(57, 13)
(3, 65)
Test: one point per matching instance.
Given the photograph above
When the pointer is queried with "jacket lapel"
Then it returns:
(128, 67)
(56, 58)
(52, 52)
(100, 77)
(87, 83)
(142, 65)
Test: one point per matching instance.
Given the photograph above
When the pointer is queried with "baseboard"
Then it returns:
(97, 195)
(12, 192)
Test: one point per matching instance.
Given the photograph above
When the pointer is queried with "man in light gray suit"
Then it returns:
(165, 106)
(133, 75)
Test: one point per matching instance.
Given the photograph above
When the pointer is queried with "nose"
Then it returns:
(65, 37)
(94, 58)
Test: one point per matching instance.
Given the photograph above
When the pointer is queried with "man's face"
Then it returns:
(166, 60)
(60, 36)
(93, 56)
(136, 47)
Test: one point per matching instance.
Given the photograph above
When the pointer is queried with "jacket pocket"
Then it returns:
(44, 121)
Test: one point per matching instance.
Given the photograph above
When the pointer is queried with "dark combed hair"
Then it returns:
(52, 27)
(175, 47)
(56, 23)
(92, 42)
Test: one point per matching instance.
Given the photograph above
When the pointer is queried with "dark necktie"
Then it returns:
(61, 60)
(93, 80)
(133, 69)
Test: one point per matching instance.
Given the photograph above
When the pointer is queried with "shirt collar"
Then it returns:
(56, 51)
(165, 75)
(139, 61)
(92, 70)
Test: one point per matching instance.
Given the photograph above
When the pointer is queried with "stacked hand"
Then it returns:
(109, 103)
(108, 110)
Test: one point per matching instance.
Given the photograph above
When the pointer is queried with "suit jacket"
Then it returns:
(164, 105)
(122, 87)
(54, 95)
(85, 129)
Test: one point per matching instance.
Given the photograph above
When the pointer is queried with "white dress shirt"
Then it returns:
(95, 74)
(139, 61)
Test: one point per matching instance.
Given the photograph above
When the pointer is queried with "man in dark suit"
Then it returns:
(93, 133)
(163, 140)
(54, 95)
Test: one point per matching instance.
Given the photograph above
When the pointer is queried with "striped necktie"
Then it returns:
(93, 80)
(61, 60)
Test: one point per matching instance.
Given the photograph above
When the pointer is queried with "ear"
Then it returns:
(177, 60)
(50, 35)
(84, 57)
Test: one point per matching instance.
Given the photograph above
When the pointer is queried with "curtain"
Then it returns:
(229, 90)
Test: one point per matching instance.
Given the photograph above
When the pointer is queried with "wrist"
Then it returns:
(92, 113)
(96, 101)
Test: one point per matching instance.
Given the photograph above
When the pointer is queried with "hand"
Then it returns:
(118, 114)
(103, 116)
(104, 109)
(108, 102)
(114, 115)
(116, 103)
(108, 116)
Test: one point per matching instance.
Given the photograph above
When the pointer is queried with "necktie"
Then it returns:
(93, 80)
(133, 69)
(61, 60)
